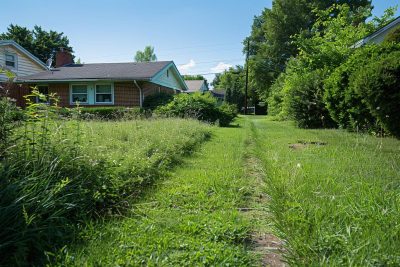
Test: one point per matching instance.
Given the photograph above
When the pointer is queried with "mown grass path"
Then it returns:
(192, 218)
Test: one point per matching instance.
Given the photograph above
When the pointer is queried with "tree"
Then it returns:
(39, 42)
(233, 82)
(146, 55)
(193, 77)
(271, 38)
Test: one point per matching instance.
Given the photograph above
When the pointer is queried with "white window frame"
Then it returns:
(112, 94)
(71, 93)
(15, 60)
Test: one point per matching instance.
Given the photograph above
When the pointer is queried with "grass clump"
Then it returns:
(56, 175)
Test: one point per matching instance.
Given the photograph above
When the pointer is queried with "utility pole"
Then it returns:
(247, 76)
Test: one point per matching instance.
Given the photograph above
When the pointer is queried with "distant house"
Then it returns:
(219, 94)
(378, 36)
(105, 84)
(196, 86)
(18, 60)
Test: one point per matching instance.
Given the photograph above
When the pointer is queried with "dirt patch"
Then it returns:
(303, 144)
(271, 248)
(267, 246)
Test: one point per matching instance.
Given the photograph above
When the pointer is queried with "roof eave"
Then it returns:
(79, 80)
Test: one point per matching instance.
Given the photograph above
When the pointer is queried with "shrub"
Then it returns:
(347, 108)
(6, 124)
(378, 83)
(102, 113)
(203, 107)
(393, 36)
(275, 100)
(304, 97)
(227, 113)
(154, 101)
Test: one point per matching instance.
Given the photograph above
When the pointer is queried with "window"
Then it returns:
(79, 93)
(104, 93)
(10, 60)
(43, 89)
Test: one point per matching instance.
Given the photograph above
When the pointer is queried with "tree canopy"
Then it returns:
(272, 35)
(39, 42)
(146, 55)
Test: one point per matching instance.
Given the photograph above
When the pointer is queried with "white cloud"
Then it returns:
(184, 69)
(221, 67)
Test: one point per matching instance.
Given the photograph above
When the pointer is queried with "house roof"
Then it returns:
(382, 30)
(218, 92)
(24, 51)
(100, 71)
(194, 85)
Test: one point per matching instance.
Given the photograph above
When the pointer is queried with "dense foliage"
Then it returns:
(347, 107)
(39, 42)
(304, 98)
(317, 79)
(272, 36)
(153, 101)
(203, 107)
(394, 35)
(378, 84)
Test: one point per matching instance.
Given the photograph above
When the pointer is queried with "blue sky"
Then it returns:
(200, 36)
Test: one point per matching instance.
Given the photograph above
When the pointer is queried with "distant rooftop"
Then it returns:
(194, 85)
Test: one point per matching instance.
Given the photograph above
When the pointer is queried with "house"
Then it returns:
(196, 86)
(378, 36)
(18, 60)
(218, 94)
(105, 84)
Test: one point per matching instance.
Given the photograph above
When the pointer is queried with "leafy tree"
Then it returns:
(146, 55)
(329, 45)
(233, 82)
(39, 42)
(271, 38)
(193, 77)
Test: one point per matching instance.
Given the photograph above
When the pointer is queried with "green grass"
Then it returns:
(335, 204)
(188, 219)
(60, 175)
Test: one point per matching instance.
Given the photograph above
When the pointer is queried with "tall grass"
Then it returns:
(189, 219)
(336, 204)
(57, 174)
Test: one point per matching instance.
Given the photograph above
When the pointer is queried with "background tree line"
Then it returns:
(39, 42)
(296, 48)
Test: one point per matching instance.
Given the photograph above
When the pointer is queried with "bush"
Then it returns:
(393, 36)
(203, 107)
(154, 101)
(347, 108)
(378, 83)
(304, 97)
(275, 100)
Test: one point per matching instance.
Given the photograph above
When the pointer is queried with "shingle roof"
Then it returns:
(100, 71)
(194, 85)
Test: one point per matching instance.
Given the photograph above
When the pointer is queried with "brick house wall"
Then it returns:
(152, 88)
(125, 93)
(16, 92)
